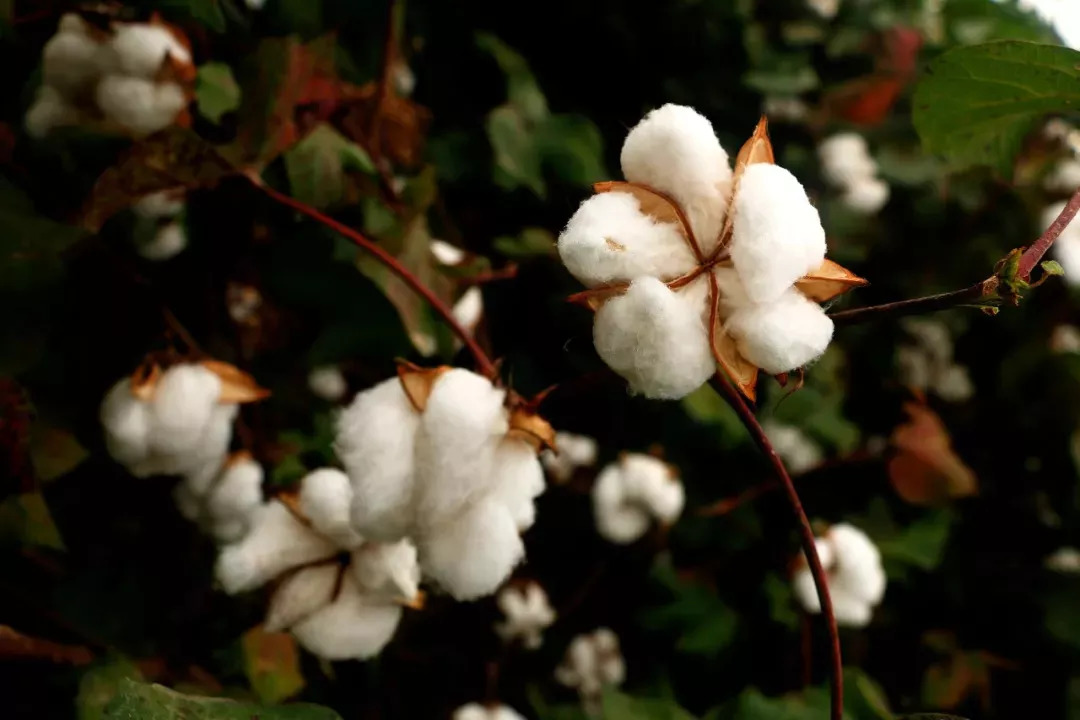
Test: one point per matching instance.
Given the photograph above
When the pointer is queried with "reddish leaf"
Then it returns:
(925, 470)
(396, 125)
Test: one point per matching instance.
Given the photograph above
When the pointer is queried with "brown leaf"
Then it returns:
(533, 429)
(418, 382)
(925, 470)
(16, 645)
(236, 385)
(741, 371)
(398, 125)
(145, 379)
(272, 664)
(758, 149)
(829, 281)
(653, 203)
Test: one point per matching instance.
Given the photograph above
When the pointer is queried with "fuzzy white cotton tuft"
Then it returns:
(593, 661)
(326, 498)
(574, 451)
(169, 241)
(610, 240)
(163, 204)
(351, 627)
(472, 552)
(825, 8)
(300, 594)
(255, 4)
(782, 335)
(140, 49)
(126, 420)
(376, 442)
(328, 383)
(1066, 249)
(234, 499)
(777, 235)
(785, 107)
(528, 613)
(845, 159)
(655, 339)
(182, 405)
(518, 479)
(798, 451)
(69, 60)
(469, 308)
(50, 110)
(674, 149)
(927, 362)
(446, 253)
(389, 571)
(476, 711)
(633, 491)
(141, 106)
(1064, 560)
(866, 196)
(854, 573)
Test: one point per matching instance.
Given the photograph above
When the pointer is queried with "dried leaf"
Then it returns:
(16, 645)
(529, 426)
(741, 371)
(145, 379)
(925, 470)
(397, 124)
(418, 382)
(272, 664)
(653, 203)
(236, 385)
(829, 281)
(758, 149)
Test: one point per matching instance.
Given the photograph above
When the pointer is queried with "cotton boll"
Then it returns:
(126, 420)
(825, 8)
(141, 106)
(277, 542)
(349, 628)
(617, 519)
(326, 497)
(235, 497)
(866, 196)
(528, 612)
(655, 340)
(675, 150)
(592, 661)
(446, 253)
(798, 451)
(610, 240)
(777, 235)
(502, 712)
(518, 479)
(169, 241)
(182, 405)
(300, 594)
(472, 711)
(848, 609)
(845, 159)
(469, 308)
(1065, 339)
(387, 570)
(69, 60)
(1064, 560)
(472, 552)
(328, 383)
(140, 49)
(785, 107)
(803, 580)
(858, 563)
(574, 451)
(783, 335)
(50, 110)
(954, 384)
(163, 204)
(376, 440)
(650, 482)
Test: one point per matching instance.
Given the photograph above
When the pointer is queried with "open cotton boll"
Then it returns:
(777, 235)
(300, 594)
(1065, 177)
(162, 204)
(518, 479)
(126, 420)
(476, 711)
(1066, 249)
(652, 483)
(785, 107)
(348, 628)
(954, 384)
(326, 497)
(140, 49)
(528, 612)
(845, 159)
(328, 383)
(674, 150)
(375, 440)
(574, 451)
(867, 195)
(141, 106)
(50, 110)
(592, 662)
(277, 542)
(69, 60)
(389, 571)
(235, 497)
(782, 335)
(655, 340)
(798, 451)
(472, 552)
(169, 241)
(857, 563)
(469, 308)
(618, 518)
(610, 240)
(456, 443)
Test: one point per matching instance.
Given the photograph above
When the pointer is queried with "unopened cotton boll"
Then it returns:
(141, 106)
(866, 196)
(476, 711)
(1066, 249)
(674, 150)
(783, 335)
(630, 493)
(140, 49)
(328, 383)
(375, 440)
(528, 613)
(655, 339)
(50, 110)
(326, 497)
(798, 451)
(70, 58)
(777, 235)
(610, 240)
(169, 241)
(350, 627)
(234, 499)
(574, 451)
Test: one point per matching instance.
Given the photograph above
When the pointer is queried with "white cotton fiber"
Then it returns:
(517, 479)
(388, 571)
(349, 628)
(803, 580)
(794, 447)
(126, 420)
(610, 240)
(473, 551)
(858, 563)
(655, 339)
(141, 106)
(845, 159)
(675, 150)
(167, 242)
(777, 235)
(69, 60)
(527, 611)
(631, 493)
(783, 335)
(446, 253)
(300, 594)
(327, 382)
(469, 308)
(276, 542)
(618, 518)
(476, 711)
(1065, 177)
(376, 440)
(456, 442)
(163, 204)
(234, 498)
(326, 498)
(140, 49)
(866, 196)
(50, 110)
(574, 451)
(182, 405)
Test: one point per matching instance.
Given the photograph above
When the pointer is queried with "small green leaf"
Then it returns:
(216, 91)
(25, 520)
(921, 543)
(525, 95)
(531, 242)
(572, 148)
(618, 706)
(316, 166)
(1052, 267)
(517, 156)
(155, 702)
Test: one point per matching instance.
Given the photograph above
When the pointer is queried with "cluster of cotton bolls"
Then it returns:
(159, 228)
(328, 382)
(575, 451)
(528, 613)
(494, 711)
(593, 661)
(633, 492)
(134, 77)
(847, 165)
(338, 609)
(794, 447)
(657, 336)
(854, 573)
(438, 457)
(926, 363)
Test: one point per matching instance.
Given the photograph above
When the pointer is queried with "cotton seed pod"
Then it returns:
(476, 711)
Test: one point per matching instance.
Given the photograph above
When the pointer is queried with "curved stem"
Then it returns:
(483, 362)
(1035, 252)
(917, 306)
(806, 533)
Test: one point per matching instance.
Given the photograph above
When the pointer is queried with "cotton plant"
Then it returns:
(159, 227)
(340, 595)
(527, 614)
(493, 711)
(926, 362)
(798, 451)
(132, 77)
(1066, 250)
(446, 458)
(853, 571)
(593, 661)
(222, 500)
(847, 165)
(632, 493)
(574, 451)
(328, 382)
(694, 267)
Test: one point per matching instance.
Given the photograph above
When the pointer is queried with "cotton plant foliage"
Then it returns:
(592, 662)
(338, 609)
(448, 459)
(527, 613)
(854, 573)
(693, 266)
(632, 493)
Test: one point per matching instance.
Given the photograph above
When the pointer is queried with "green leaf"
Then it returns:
(55, 451)
(272, 664)
(976, 104)
(25, 520)
(100, 683)
(530, 242)
(864, 698)
(703, 623)
(316, 166)
(155, 702)
(781, 603)
(1052, 267)
(813, 704)
(517, 156)
(921, 543)
(216, 91)
(572, 147)
(618, 706)
(31, 246)
(788, 79)
(522, 88)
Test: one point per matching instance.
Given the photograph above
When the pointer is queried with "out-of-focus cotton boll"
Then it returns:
(234, 498)
(387, 570)
(845, 159)
(1066, 249)
(1064, 560)
(167, 242)
(655, 339)
(326, 497)
(163, 204)
(854, 573)
(350, 627)
(328, 383)
(139, 105)
(528, 613)
(927, 362)
(632, 492)
(1065, 177)
(825, 8)
(674, 149)
(50, 110)
(446, 253)
(593, 661)
(140, 49)
(255, 4)
(798, 451)
(469, 308)
(518, 479)
(867, 196)
(610, 240)
(70, 58)
(788, 108)
(476, 711)
(783, 335)
(1065, 339)
(574, 451)
(777, 236)
(375, 440)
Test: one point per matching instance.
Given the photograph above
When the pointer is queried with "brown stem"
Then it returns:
(917, 306)
(383, 86)
(806, 533)
(1035, 252)
(483, 362)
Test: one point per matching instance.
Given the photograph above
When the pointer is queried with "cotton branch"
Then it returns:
(806, 533)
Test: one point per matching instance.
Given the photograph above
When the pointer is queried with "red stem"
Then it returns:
(483, 362)
(1034, 254)
(806, 533)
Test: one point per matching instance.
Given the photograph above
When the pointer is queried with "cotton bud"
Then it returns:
(166, 242)
(1066, 249)
(854, 573)
(139, 105)
(574, 451)
(787, 333)
(798, 451)
(476, 711)
(328, 383)
(527, 613)
(632, 492)
(593, 661)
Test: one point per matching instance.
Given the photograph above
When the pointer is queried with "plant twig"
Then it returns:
(806, 533)
(483, 362)
(1035, 252)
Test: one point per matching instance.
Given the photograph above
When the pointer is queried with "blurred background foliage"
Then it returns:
(516, 110)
